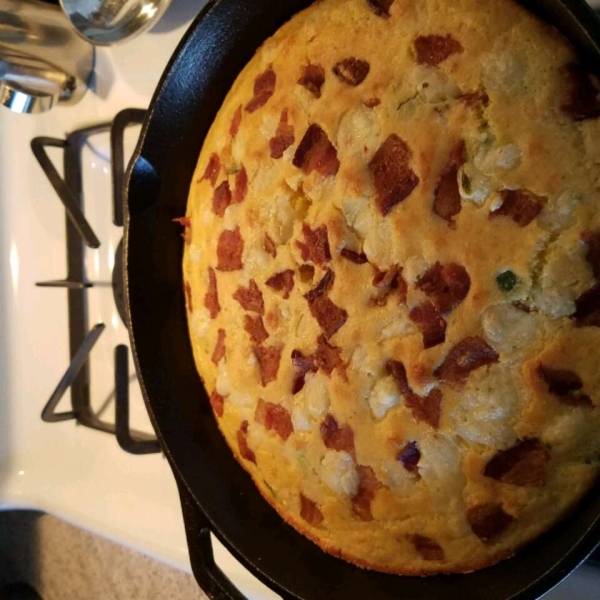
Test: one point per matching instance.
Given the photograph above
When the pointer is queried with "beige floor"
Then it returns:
(66, 563)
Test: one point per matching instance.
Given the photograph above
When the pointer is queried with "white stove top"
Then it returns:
(73, 472)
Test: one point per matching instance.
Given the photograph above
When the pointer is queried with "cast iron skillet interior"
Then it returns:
(216, 492)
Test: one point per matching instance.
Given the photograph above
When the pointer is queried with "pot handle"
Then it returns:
(215, 584)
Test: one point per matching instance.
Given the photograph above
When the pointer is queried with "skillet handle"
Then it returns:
(215, 584)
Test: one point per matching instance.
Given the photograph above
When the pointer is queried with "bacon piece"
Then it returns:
(564, 384)
(447, 203)
(274, 417)
(309, 511)
(313, 78)
(186, 223)
(389, 281)
(470, 354)
(329, 316)
(336, 437)
(355, 257)
(488, 520)
(410, 456)
(264, 88)
(242, 438)
(284, 136)
(587, 308)
(381, 7)
(217, 402)
(476, 99)
(592, 239)
(372, 102)
(188, 296)
(582, 100)
(315, 247)
(328, 357)
(282, 282)
(524, 464)
(424, 408)
(427, 548)
(393, 178)
(219, 351)
(221, 199)
(250, 298)
(431, 324)
(522, 206)
(270, 246)
(255, 327)
(241, 186)
(351, 71)
(230, 248)
(213, 168)
(211, 300)
(235, 122)
(446, 285)
(268, 359)
(316, 153)
(367, 487)
(435, 49)
(302, 365)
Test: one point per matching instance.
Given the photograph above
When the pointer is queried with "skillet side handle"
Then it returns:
(210, 578)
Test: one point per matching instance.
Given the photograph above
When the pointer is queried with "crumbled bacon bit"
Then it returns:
(313, 78)
(488, 520)
(389, 281)
(268, 358)
(524, 464)
(221, 199)
(427, 548)
(384, 279)
(447, 203)
(316, 153)
(235, 122)
(587, 308)
(186, 223)
(351, 71)
(397, 370)
(213, 168)
(307, 273)
(431, 324)
(328, 357)
(282, 282)
(250, 298)
(446, 285)
(309, 511)
(188, 296)
(410, 456)
(219, 351)
(582, 101)
(302, 365)
(381, 7)
(264, 88)
(592, 239)
(563, 384)
(241, 186)
(211, 300)
(434, 49)
(230, 248)
(274, 417)
(284, 136)
(336, 437)
(368, 486)
(355, 257)
(393, 178)
(470, 354)
(242, 438)
(329, 316)
(522, 206)
(255, 327)
(372, 102)
(315, 247)
(217, 402)
(476, 99)
(270, 246)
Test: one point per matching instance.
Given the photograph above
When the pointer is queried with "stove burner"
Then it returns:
(79, 232)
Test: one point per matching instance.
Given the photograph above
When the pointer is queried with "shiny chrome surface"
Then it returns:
(107, 22)
(42, 60)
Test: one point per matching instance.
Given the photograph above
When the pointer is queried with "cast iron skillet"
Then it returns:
(217, 494)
